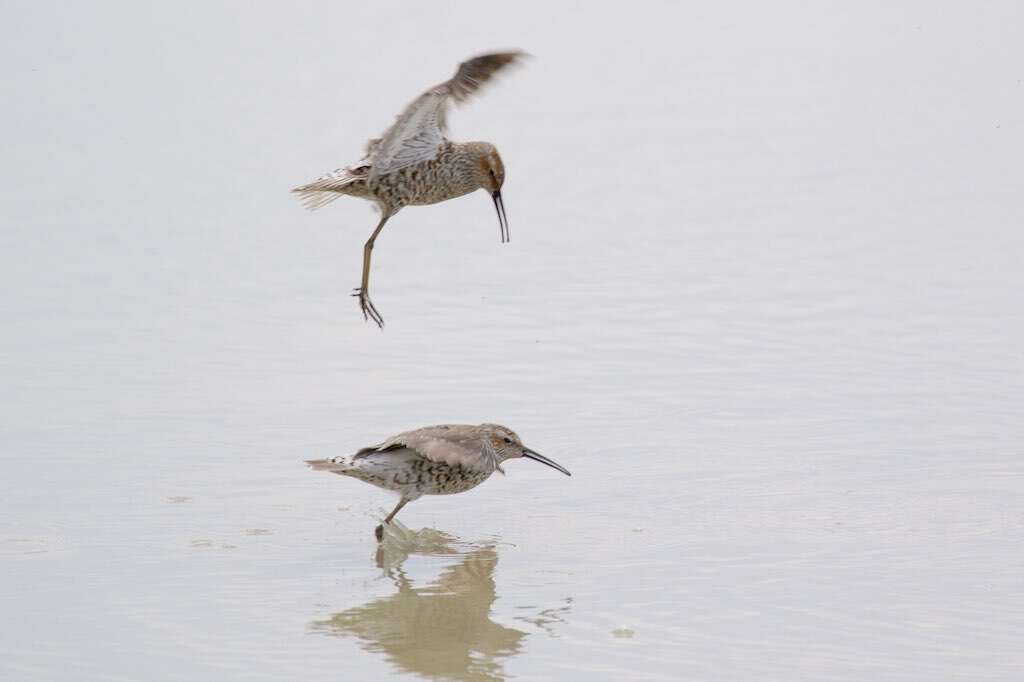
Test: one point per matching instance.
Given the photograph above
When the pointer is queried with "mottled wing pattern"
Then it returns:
(413, 138)
(420, 128)
(464, 446)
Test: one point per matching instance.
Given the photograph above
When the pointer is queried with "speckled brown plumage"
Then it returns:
(460, 168)
(433, 460)
(414, 163)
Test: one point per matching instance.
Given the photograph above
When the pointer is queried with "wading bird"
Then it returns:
(413, 163)
(433, 460)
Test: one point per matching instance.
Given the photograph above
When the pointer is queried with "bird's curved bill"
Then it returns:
(537, 457)
(499, 205)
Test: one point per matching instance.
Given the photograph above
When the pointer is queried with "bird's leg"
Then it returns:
(379, 532)
(363, 292)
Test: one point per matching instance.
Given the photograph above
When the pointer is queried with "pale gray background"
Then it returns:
(763, 298)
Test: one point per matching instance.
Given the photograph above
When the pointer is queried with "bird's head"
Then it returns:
(493, 169)
(506, 445)
(491, 176)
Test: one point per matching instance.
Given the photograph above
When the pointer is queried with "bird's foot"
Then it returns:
(379, 532)
(366, 305)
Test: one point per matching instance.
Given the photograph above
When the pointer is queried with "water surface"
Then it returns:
(762, 298)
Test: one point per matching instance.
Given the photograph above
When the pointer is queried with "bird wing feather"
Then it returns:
(420, 129)
(455, 446)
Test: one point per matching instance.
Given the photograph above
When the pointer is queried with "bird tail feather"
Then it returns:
(334, 464)
(328, 187)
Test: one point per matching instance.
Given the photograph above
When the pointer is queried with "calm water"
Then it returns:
(763, 298)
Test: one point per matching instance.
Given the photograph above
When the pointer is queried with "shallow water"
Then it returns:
(762, 298)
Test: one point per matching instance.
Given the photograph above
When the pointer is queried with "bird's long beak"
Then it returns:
(536, 456)
(499, 205)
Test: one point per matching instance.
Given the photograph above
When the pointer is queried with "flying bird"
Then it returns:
(414, 163)
(433, 460)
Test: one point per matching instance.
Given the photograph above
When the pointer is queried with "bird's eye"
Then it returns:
(508, 440)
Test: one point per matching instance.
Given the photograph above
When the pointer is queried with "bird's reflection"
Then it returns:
(442, 629)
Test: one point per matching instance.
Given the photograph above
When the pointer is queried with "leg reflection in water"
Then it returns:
(442, 629)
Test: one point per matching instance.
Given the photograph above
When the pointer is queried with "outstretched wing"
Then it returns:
(463, 446)
(420, 128)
